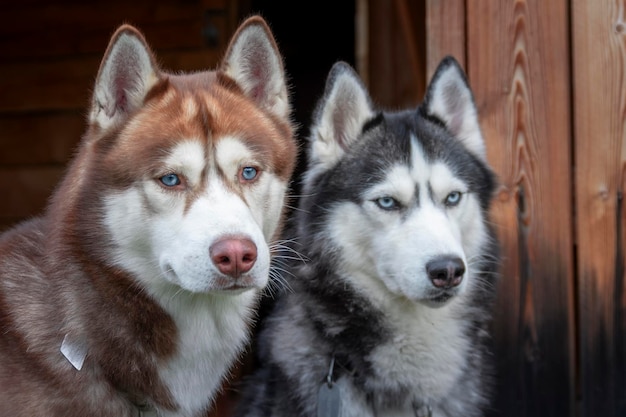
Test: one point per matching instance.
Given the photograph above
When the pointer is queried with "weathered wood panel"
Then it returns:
(66, 84)
(517, 59)
(29, 187)
(518, 65)
(33, 139)
(445, 28)
(599, 58)
(35, 29)
(396, 52)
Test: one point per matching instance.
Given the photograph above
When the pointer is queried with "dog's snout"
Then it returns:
(233, 256)
(446, 271)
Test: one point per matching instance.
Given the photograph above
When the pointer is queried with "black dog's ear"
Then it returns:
(450, 99)
(339, 117)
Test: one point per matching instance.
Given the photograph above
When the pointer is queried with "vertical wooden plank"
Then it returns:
(599, 66)
(361, 40)
(381, 67)
(518, 66)
(396, 55)
(445, 32)
(410, 15)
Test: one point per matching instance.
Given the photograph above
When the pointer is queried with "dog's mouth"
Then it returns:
(235, 289)
(220, 283)
(439, 299)
(234, 285)
(442, 298)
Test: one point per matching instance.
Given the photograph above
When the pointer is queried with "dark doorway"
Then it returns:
(312, 36)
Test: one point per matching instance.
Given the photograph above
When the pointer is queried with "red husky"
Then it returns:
(131, 295)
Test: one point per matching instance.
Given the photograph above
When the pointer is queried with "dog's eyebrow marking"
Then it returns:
(417, 196)
(419, 167)
(188, 159)
(231, 155)
(431, 193)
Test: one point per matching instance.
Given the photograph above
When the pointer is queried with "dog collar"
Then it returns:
(329, 396)
(329, 402)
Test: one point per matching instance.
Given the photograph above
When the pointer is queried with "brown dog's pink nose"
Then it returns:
(233, 256)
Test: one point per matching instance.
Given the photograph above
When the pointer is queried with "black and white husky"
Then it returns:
(389, 313)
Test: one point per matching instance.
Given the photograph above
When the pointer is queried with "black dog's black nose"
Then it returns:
(446, 271)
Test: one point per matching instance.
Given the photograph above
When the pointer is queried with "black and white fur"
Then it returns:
(400, 261)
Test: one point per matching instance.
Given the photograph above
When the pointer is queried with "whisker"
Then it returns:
(277, 283)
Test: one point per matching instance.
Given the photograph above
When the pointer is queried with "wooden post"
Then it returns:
(396, 53)
(599, 58)
(518, 64)
(445, 32)
(517, 59)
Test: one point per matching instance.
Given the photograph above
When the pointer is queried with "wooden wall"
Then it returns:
(49, 57)
(599, 121)
(549, 78)
(550, 83)
(393, 40)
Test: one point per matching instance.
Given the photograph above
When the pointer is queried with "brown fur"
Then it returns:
(55, 273)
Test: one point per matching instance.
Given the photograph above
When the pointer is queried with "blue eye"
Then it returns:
(249, 173)
(387, 203)
(453, 199)
(170, 180)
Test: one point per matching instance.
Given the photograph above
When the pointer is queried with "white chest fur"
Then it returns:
(427, 352)
(212, 331)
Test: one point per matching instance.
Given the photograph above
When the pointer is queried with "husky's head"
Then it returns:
(398, 199)
(181, 179)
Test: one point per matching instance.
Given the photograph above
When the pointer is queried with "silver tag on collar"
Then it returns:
(329, 401)
(75, 350)
(329, 396)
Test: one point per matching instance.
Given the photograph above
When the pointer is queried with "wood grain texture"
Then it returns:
(27, 193)
(396, 52)
(35, 29)
(599, 58)
(96, 14)
(518, 65)
(40, 138)
(445, 28)
(66, 84)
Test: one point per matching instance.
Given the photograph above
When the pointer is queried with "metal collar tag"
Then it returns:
(74, 348)
(329, 396)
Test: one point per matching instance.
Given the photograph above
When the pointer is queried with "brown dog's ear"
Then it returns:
(126, 74)
(254, 62)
